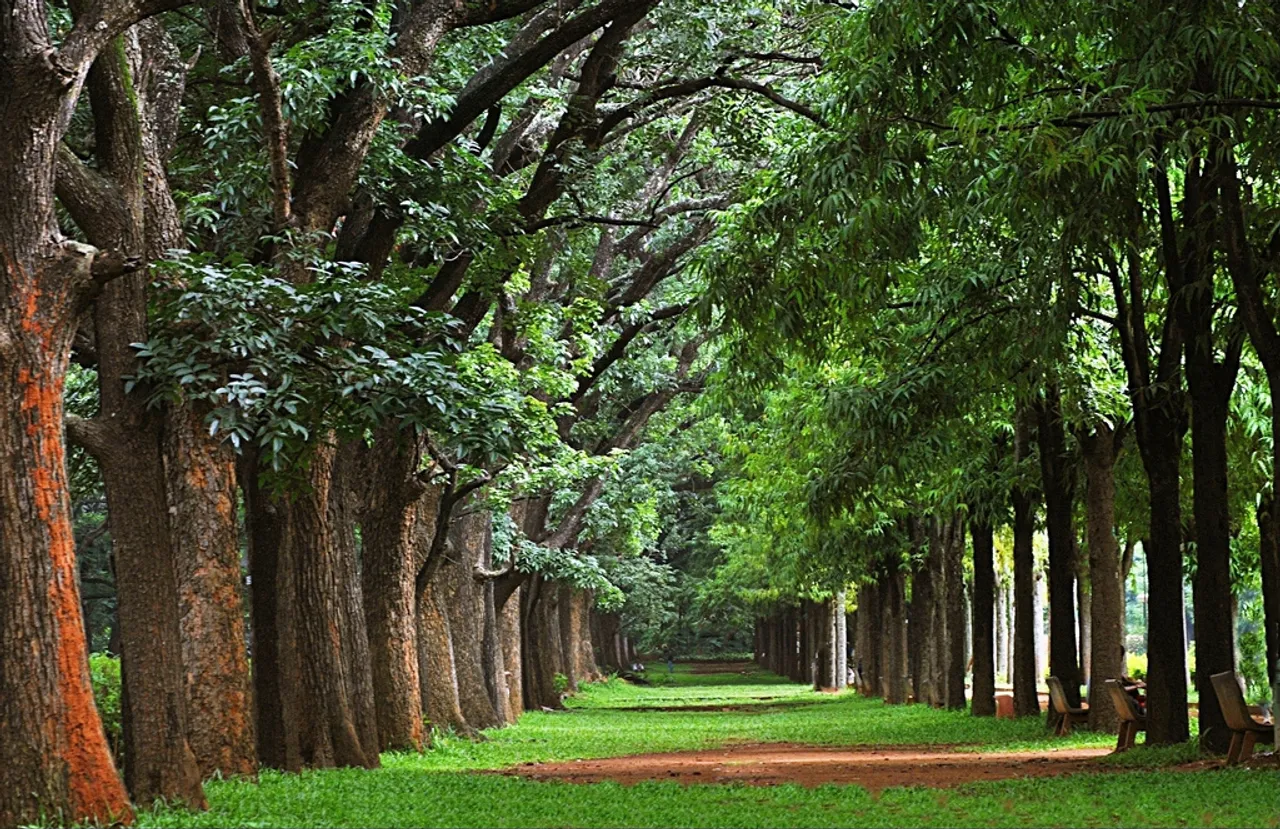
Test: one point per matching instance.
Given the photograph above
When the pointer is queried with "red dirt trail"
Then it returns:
(874, 768)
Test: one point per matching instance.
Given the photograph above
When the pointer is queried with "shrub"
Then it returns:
(560, 684)
(104, 674)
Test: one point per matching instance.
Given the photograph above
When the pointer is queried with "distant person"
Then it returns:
(670, 656)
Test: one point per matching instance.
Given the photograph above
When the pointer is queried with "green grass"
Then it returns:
(441, 787)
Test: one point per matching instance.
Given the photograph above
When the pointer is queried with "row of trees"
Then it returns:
(388, 291)
(1032, 254)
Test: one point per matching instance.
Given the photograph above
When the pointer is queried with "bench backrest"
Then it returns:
(1057, 696)
(1234, 709)
(1125, 705)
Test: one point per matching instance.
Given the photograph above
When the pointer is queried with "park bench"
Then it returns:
(1132, 720)
(1245, 728)
(1067, 716)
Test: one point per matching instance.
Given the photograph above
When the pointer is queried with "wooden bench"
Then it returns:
(1245, 729)
(1132, 720)
(1068, 716)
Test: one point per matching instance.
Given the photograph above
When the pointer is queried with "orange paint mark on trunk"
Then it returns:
(94, 788)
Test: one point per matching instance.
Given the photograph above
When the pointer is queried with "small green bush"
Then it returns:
(560, 684)
(104, 674)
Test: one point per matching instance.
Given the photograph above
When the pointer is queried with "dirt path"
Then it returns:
(773, 763)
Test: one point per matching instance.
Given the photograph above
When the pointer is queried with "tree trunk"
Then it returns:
(1211, 587)
(543, 657)
(1084, 621)
(953, 552)
(1026, 701)
(894, 635)
(329, 733)
(1059, 488)
(1002, 632)
(1166, 646)
(439, 676)
(1269, 552)
(219, 691)
(52, 747)
(469, 535)
(984, 586)
(870, 632)
(390, 567)
(509, 637)
(275, 668)
(1100, 448)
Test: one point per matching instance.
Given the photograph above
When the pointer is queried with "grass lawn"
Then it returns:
(440, 788)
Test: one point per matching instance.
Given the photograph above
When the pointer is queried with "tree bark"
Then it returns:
(329, 732)
(984, 587)
(1026, 701)
(469, 535)
(1100, 447)
(1269, 552)
(953, 551)
(894, 637)
(509, 637)
(1059, 491)
(219, 692)
(543, 656)
(390, 567)
(1210, 391)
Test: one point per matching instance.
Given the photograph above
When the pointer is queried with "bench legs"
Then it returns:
(1250, 737)
(1233, 751)
(1128, 735)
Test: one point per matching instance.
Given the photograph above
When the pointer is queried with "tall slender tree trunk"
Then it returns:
(1100, 447)
(1211, 587)
(893, 662)
(1166, 639)
(984, 587)
(1059, 489)
(1026, 701)
(1269, 552)
(953, 563)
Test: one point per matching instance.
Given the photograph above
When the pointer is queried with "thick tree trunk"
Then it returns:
(543, 657)
(329, 732)
(1026, 701)
(219, 691)
(390, 567)
(467, 615)
(52, 747)
(984, 587)
(1100, 448)
(439, 677)
(159, 763)
(1059, 488)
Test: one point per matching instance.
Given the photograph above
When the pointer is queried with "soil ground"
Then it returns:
(874, 768)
